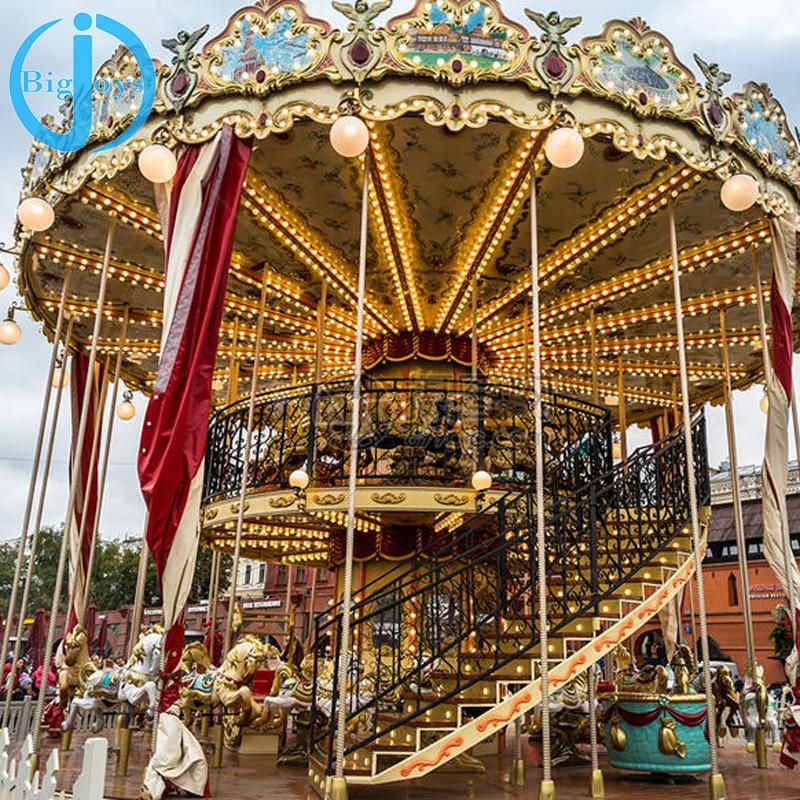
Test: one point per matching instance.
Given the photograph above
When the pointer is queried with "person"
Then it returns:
(51, 679)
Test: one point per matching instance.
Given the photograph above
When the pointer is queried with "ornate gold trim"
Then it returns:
(451, 499)
(387, 498)
(328, 499)
(282, 502)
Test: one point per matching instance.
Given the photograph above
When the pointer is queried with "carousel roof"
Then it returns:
(459, 100)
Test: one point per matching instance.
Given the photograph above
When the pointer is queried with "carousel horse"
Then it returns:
(726, 699)
(759, 707)
(73, 658)
(204, 686)
(569, 713)
(630, 679)
(133, 685)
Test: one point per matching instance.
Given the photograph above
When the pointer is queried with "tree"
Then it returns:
(114, 576)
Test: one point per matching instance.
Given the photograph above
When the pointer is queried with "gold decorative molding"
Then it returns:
(328, 499)
(211, 513)
(387, 498)
(451, 499)
(235, 507)
(282, 502)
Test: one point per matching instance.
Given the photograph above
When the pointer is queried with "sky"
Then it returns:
(738, 34)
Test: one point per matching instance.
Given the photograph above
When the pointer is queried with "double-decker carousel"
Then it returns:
(455, 257)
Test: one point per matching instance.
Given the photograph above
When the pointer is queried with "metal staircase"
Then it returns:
(445, 652)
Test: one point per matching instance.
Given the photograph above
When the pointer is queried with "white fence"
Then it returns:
(16, 783)
(20, 720)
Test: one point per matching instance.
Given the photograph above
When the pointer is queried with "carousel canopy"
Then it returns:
(459, 100)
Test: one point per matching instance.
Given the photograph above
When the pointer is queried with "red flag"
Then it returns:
(202, 219)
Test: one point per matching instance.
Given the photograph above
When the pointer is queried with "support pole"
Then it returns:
(37, 454)
(248, 441)
(473, 350)
(741, 544)
(233, 365)
(623, 417)
(54, 608)
(322, 309)
(338, 783)
(518, 764)
(138, 600)
(213, 588)
(26, 590)
(596, 786)
(106, 453)
(547, 788)
(593, 349)
(716, 782)
(312, 601)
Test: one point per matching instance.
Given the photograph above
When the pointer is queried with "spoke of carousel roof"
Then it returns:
(593, 237)
(585, 388)
(657, 312)
(641, 369)
(748, 337)
(504, 202)
(144, 218)
(390, 219)
(642, 278)
(126, 272)
(141, 216)
(270, 211)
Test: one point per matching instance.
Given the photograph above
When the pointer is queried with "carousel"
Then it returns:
(395, 293)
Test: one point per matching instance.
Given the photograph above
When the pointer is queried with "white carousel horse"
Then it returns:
(133, 685)
(772, 718)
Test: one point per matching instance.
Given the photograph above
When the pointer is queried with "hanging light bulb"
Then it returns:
(157, 163)
(60, 377)
(481, 480)
(349, 136)
(126, 410)
(35, 214)
(4, 277)
(611, 400)
(763, 403)
(564, 147)
(739, 192)
(10, 332)
(299, 479)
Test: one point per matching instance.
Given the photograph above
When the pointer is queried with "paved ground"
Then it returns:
(258, 778)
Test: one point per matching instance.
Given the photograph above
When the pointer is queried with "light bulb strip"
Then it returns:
(390, 219)
(596, 236)
(698, 340)
(271, 213)
(639, 369)
(642, 278)
(506, 200)
(141, 218)
(659, 312)
(585, 388)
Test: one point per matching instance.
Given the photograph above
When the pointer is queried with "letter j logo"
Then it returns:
(76, 137)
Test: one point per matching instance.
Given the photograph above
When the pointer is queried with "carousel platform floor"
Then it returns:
(255, 777)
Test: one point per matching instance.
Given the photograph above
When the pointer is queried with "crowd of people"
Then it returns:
(27, 680)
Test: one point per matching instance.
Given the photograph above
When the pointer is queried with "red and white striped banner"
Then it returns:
(775, 470)
(199, 239)
(86, 478)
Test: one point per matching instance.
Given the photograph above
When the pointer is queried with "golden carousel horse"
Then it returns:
(230, 685)
(75, 663)
(726, 699)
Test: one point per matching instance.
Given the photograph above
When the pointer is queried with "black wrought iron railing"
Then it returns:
(470, 614)
(411, 432)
